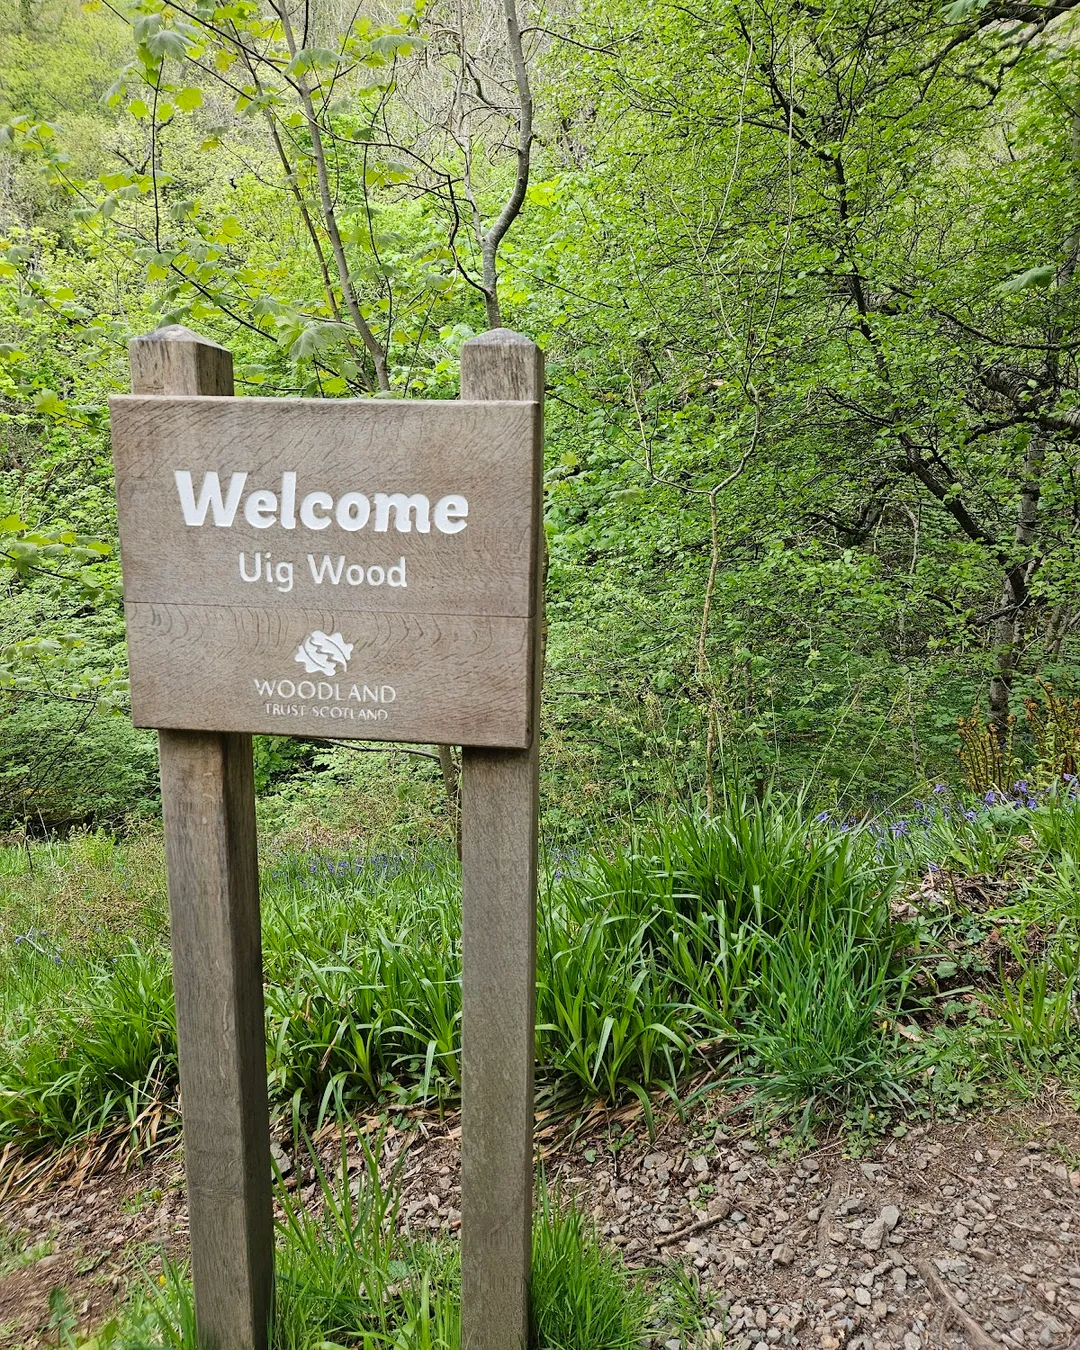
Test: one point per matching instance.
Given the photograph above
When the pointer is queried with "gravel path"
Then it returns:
(959, 1234)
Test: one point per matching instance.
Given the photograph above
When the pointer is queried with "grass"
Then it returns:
(656, 959)
(348, 1276)
(755, 948)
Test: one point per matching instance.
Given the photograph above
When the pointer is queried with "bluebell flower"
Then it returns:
(939, 788)
(821, 816)
(969, 815)
(991, 797)
(900, 827)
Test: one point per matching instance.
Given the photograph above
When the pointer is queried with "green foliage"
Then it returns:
(654, 961)
(65, 763)
(1038, 1011)
(755, 949)
(96, 1055)
(346, 1276)
(582, 1296)
(25, 552)
(806, 338)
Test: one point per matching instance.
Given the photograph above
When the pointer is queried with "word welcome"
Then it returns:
(326, 570)
(315, 510)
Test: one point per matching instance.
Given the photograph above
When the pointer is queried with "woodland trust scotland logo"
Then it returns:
(324, 653)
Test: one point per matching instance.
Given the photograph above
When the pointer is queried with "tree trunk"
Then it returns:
(1015, 593)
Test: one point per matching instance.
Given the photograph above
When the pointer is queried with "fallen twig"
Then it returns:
(697, 1227)
(937, 1286)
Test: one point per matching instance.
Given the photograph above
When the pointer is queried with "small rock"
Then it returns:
(873, 1235)
(783, 1255)
(912, 1342)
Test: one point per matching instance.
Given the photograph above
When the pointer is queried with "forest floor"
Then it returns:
(961, 1233)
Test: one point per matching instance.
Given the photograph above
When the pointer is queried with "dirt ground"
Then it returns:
(961, 1233)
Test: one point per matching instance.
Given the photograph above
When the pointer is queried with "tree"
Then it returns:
(880, 201)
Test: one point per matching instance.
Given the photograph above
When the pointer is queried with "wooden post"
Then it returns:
(499, 804)
(208, 799)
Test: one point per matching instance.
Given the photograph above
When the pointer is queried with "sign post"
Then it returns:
(368, 570)
(499, 812)
(208, 803)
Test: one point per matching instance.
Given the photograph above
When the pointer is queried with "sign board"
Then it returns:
(313, 567)
(354, 569)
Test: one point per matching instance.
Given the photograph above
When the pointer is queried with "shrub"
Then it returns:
(64, 764)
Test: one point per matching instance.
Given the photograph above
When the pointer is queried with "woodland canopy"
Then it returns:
(805, 274)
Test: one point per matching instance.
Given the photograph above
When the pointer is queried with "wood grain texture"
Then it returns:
(487, 453)
(208, 801)
(432, 678)
(500, 804)
(478, 451)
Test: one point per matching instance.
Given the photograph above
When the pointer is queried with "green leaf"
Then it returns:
(315, 338)
(168, 43)
(187, 100)
(312, 58)
(1034, 276)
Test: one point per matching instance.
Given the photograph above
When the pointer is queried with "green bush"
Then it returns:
(64, 763)
(759, 936)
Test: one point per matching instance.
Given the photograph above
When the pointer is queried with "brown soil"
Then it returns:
(958, 1234)
(70, 1252)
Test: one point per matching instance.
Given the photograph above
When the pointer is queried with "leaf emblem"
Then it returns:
(324, 653)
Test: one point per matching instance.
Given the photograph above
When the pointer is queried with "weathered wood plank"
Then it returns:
(208, 801)
(415, 548)
(499, 848)
(479, 563)
(409, 677)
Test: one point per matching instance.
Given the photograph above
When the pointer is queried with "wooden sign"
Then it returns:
(368, 570)
(311, 567)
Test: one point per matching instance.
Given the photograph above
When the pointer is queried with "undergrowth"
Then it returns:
(346, 1275)
(754, 949)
